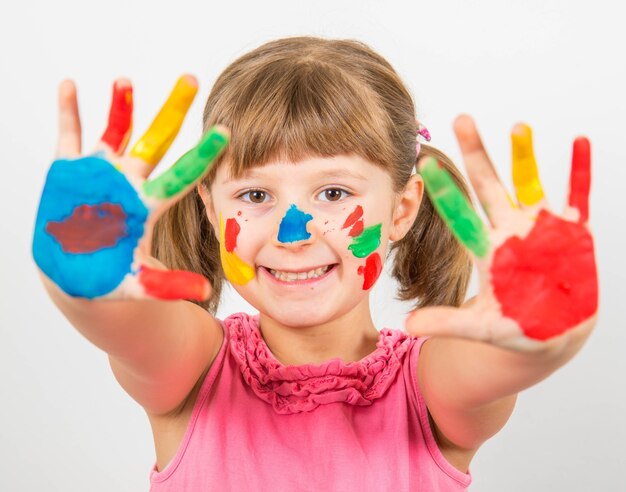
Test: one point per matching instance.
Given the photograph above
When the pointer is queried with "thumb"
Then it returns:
(448, 322)
(173, 284)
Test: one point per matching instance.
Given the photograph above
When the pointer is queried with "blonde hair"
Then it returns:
(304, 96)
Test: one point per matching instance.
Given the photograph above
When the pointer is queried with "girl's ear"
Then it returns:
(205, 195)
(407, 207)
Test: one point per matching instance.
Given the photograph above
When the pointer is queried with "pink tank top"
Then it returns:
(357, 426)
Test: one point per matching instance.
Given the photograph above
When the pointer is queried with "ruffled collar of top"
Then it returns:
(302, 388)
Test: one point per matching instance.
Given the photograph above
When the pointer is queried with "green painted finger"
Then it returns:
(454, 208)
(189, 168)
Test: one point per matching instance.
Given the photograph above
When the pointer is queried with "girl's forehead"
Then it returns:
(336, 167)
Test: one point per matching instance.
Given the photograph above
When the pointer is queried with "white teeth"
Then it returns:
(293, 276)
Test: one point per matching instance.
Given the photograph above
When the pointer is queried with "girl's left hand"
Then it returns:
(536, 269)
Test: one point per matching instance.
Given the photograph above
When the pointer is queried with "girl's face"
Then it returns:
(304, 243)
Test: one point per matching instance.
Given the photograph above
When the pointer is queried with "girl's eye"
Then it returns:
(333, 194)
(254, 196)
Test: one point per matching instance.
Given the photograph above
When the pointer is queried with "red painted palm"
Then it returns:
(537, 271)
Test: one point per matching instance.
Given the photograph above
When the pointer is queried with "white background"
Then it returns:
(65, 424)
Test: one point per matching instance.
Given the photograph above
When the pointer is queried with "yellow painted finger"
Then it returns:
(236, 270)
(525, 174)
(154, 143)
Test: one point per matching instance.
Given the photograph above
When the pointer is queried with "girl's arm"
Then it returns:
(92, 244)
(157, 349)
(538, 293)
(470, 387)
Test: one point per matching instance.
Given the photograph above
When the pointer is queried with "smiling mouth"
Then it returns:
(285, 276)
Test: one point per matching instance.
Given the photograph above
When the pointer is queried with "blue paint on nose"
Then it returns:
(293, 226)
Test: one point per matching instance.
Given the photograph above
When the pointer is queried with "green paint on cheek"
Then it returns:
(189, 168)
(454, 208)
(366, 242)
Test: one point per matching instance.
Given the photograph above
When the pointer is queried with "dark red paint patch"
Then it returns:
(230, 235)
(547, 282)
(90, 228)
(239, 213)
(580, 177)
(371, 271)
(174, 284)
(353, 217)
(120, 118)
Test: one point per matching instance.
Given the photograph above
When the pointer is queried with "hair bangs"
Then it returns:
(289, 112)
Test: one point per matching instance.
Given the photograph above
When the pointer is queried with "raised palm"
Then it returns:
(97, 211)
(536, 270)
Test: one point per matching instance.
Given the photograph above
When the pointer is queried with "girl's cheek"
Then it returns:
(363, 246)
(232, 254)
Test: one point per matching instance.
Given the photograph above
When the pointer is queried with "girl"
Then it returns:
(298, 213)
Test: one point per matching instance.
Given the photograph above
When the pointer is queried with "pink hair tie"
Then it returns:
(423, 132)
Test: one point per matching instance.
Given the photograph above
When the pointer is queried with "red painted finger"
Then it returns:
(174, 284)
(118, 131)
(580, 177)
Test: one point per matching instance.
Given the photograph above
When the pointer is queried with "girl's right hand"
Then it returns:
(97, 212)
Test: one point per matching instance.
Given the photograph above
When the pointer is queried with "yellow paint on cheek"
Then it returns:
(525, 174)
(237, 271)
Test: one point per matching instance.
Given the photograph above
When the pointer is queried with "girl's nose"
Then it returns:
(293, 230)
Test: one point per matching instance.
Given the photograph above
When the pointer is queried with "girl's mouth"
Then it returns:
(301, 276)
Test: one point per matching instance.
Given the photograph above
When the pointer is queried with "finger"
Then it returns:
(154, 143)
(69, 141)
(526, 181)
(119, 128)
(446, 321)
(174, 284)
(492, 195)
(580, 178)
(190, 167)
(454, 208)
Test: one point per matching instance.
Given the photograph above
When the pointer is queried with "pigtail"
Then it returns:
(430, 265)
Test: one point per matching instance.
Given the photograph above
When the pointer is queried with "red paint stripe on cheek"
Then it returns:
(357, 229)
(230, 234)
(90, 228)
(120, 118)
(174, 284)
(353, 217)
(547, 282)
(371, 271)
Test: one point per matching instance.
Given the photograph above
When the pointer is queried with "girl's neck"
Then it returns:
(349, 338)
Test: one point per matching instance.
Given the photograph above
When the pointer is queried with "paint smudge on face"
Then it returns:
(371, 270)
(533, 277)
(293, 226)
(230, 235)
(78, 194)
(239, 213)
(355, 219)
(118, 130)
(236, 270)
(90, 228)
(357, 229)
(366, 242)
(174, 284)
